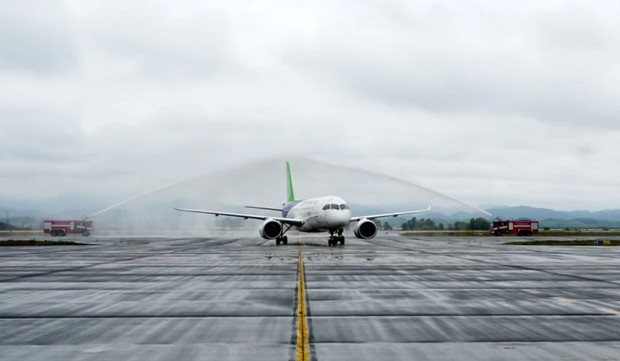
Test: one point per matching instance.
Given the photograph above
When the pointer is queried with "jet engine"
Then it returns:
(270, 229)
(365, 229)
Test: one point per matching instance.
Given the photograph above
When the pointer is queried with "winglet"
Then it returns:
(289, 183)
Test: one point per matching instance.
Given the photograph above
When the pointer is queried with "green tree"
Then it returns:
(480, 224)
(413, 223)
(387, 226)
(427, 225)
(461, 226)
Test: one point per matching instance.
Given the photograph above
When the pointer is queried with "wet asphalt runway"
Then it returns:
(233, 299)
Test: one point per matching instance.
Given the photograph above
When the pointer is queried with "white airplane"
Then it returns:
(323, 214)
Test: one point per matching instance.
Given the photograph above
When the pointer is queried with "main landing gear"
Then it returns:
(282, 238)
(334, 240)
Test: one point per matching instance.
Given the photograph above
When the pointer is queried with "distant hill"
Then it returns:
(608, 218)
(545, 213)
(551, 218)
(7, 227)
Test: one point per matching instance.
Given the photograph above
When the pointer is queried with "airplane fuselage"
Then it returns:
(319, 214)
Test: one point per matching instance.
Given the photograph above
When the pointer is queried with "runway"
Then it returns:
(228, 298)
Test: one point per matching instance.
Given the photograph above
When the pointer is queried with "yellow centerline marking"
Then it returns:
(303, 347)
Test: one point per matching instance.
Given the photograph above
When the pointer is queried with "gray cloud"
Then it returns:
(475, 100)
(37, 37)
(555, 65)
(42, 134)
(161, 45)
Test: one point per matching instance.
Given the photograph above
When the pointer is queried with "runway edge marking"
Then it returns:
(302, 344)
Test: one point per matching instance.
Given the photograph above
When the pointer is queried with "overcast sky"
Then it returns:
(509, 102)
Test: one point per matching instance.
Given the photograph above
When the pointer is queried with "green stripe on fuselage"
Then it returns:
(289, 182)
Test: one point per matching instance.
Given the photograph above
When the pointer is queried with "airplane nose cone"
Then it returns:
(337, 219)
(344, 217)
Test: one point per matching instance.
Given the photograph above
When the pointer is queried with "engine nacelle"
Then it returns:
(365, 229)
(270, 229)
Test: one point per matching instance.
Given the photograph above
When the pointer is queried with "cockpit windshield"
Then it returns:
(335, 206)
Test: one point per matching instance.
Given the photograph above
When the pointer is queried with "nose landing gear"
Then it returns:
(334, 240)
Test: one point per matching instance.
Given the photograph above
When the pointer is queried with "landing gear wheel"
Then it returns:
(331, 242)
(341, 239)
(278, 241)
(285, 240)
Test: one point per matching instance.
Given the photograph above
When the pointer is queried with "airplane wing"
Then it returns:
(265, 208)
(355, 219)
(291, 221)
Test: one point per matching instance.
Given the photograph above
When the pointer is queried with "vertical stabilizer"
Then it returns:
(289, 183)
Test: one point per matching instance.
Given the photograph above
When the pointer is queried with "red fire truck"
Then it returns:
(63, 227)
(520, 227)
